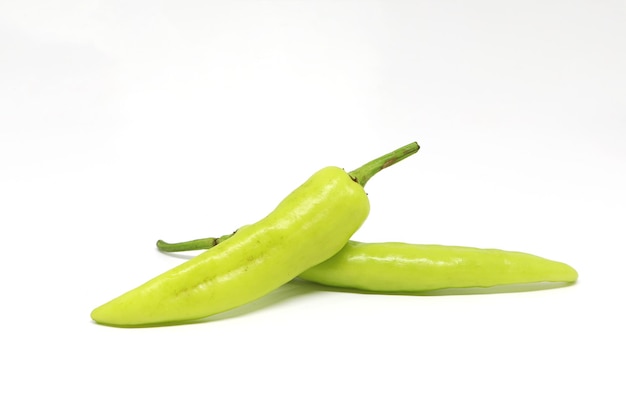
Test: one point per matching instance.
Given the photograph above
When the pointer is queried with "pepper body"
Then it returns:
(309, 226)
(410, 268)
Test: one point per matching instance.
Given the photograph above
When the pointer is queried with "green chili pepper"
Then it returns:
(309, 226)
(411, 268)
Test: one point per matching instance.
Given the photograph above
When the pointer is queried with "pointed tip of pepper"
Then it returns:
(105, 315)
(134, 309)
(571, 275)
(122, 311)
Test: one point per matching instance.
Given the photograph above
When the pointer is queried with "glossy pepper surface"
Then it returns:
(309, 226)
(395, 267)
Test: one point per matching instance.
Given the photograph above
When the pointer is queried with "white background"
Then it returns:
(122, 122)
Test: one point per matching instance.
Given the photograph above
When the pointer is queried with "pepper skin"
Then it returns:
(411, 268)
(309, 226)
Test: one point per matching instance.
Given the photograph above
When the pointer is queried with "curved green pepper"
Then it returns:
(309, 226)
(394, 267)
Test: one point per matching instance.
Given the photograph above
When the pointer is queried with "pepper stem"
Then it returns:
(361, 175)
(197, 244)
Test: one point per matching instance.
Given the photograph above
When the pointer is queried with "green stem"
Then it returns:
(197, 244)
(360, 175)
(363, 174)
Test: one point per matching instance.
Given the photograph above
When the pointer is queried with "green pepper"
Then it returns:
(309, 226)
(394, 267)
